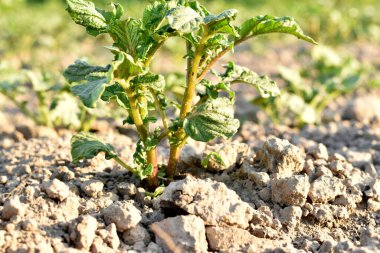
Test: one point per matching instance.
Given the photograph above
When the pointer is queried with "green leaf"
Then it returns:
(183, 19)
(264, 85)
(117, 93)
(90, 91)
(222, 23)
(157, 192)
(213, 119)
(81, 69)
(153, 15)
(87, 146)
(125, 67)
(84, 13)
(145, 172)
(65, 110)
(270, 24)
(152, 81)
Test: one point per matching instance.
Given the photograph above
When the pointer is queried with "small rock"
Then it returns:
(319, 152)
(30, 225)
(56, 189)
(13, 207)
(322, 213)
(223, 238)
(291, 216)
(323, 171)
(154, 248)
(3, 179)
(369, 237)
(210, 200)
(83, 232)
(362, 109)
(2, 238)
(232, 154)
(27, 131)
(92, 188)
(136, 234)
(359, 159)
(261, 179)
(279, 156)
(109, 236)
(290, 191)
(98, 246)
(373, 205)
(63, 173)
(181, 234)
(325, 189)
(127, 189)
(124, 214)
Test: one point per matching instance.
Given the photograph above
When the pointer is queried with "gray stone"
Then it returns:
(82, 233)
(13, 207)
(319, 152)
(136, 234)
(127, 189)
(325, 189)
(261, 179)
(279, 156)
(224, 238)
(181, 234)
(56, 189)
(109, 236)
(290, 191)
(363, 109)
(210, 200)
(291, 216)
(124, 214)
(92, 188)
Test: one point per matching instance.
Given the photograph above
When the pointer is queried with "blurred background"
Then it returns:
(39, 35)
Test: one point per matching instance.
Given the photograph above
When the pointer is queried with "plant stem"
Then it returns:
(187, 102)
(161, 111)
(217, 58)
(143, 132)
(125, 165)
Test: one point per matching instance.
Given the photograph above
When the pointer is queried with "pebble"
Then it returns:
(124, 214)
(92, 188)
(13, 207)
(56, 189)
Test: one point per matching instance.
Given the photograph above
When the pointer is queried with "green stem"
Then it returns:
(217, 58)
(160, 110)
(123, 164)
(143, 132)
(187, 102)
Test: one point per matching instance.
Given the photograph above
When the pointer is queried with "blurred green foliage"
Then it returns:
(27, 25)
(308, 91)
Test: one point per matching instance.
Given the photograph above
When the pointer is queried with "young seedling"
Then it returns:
(206, 111)
(310, 90)
(44, 100)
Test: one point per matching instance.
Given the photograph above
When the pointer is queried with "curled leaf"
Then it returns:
(271, 24)
(211, 120)
(183, 19)
(84, 13)
(87, 146)
(264, 85)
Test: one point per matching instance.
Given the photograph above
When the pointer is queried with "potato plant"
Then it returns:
(206, 111)
(44, 100)
(309, 91)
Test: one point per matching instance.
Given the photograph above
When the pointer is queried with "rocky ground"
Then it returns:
(280, 189)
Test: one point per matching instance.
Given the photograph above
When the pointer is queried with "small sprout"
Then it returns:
(211, 155)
